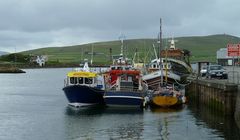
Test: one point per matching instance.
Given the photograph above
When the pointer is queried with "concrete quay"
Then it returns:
(217, 94)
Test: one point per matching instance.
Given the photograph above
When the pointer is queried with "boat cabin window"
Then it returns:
(130, 78)
(88, 80)
(127, 68)
(119, 68)
(73, 80)
(80, 80)
(112, 68)
(123, 78)
(126, 78)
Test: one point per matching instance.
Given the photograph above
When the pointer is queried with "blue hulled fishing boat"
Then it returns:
(84, 88)
(124, 86)
(125, 89)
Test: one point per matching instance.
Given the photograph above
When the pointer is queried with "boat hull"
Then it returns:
(123, 99)
(80, 95)
(165, 101)
(153, 79)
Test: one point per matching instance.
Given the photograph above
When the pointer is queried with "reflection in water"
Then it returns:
(154, 123)
(167, 110)
(163, 129)
(103, 123)
(129, 111)
(92, 110)
(165, 118)
(223, 125)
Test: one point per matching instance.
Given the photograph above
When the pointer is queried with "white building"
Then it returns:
(225, 60)
(41, 60)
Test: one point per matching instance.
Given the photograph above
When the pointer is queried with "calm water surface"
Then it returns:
(33, 107)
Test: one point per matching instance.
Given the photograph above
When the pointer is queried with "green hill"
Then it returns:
(201, 47)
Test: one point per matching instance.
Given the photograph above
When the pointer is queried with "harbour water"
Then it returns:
(33, 106)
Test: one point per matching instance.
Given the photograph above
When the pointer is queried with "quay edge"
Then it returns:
(216, 94)
(237, 111)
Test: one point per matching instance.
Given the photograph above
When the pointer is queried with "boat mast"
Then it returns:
(160, 49)
(166, 63)
(122, 37)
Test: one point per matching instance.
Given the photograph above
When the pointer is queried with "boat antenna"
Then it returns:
(166, 64)
(110, 54)
(135, 55)
(122, 37)
(155, 53)
(91, 55)
(160, 49)
(15, 56)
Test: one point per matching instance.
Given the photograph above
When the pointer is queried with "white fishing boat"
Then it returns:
(174, 66)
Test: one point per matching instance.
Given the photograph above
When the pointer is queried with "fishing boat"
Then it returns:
(172, 60)
(84, 88)
(125, 89)
(124, 86)
(167, 96)
(153, 78)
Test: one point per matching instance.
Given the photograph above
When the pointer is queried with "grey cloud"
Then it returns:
(29, 24)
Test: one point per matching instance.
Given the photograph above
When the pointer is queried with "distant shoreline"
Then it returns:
(10, 70)
(18, 68)
(61, 66)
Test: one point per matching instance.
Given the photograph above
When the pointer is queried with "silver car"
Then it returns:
(203, 71)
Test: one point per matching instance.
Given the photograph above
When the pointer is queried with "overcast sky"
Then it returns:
(30, 24)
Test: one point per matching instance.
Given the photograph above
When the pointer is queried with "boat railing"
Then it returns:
(123, 88)
(152, 83)
(128, 88)
(113, 85)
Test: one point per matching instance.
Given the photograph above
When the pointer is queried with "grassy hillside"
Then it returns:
(201, 47)
(205, 47)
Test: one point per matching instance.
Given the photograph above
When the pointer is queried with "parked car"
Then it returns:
(216, 71)
(203, 71)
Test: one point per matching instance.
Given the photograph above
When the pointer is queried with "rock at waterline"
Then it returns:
(11, 70)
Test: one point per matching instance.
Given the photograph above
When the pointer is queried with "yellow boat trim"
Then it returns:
(165, 101)
(81, 74)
